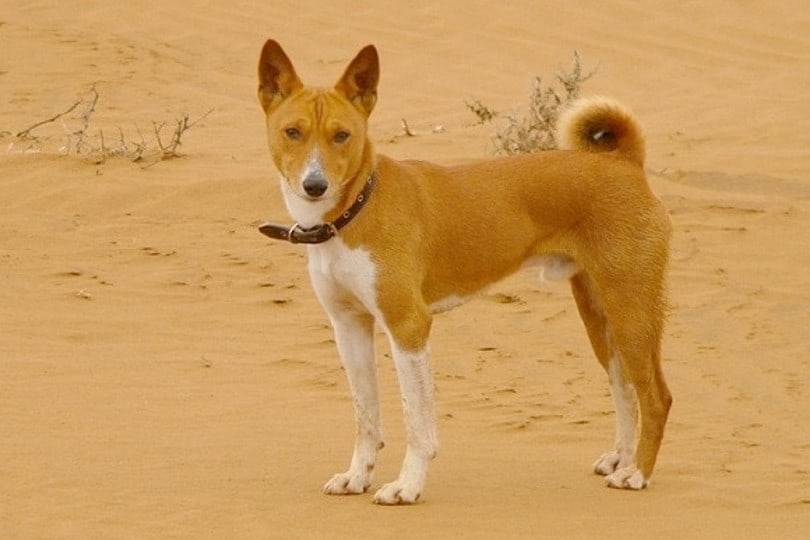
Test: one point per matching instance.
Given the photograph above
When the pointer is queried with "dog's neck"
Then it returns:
(353, 197)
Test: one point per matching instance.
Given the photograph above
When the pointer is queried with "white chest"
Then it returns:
(337, 271)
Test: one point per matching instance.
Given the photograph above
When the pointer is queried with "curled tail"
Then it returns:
(600, 124)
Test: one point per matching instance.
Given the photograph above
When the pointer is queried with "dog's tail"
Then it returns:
(600, 124)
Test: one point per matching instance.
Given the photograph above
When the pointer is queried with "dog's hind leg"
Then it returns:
(624, 396)
(635, 316)
(354, 334)
(643, 368)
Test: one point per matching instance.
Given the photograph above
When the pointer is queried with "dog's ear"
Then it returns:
(359, 81)
(277, 77)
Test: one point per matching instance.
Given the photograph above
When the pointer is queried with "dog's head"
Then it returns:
(317, 137)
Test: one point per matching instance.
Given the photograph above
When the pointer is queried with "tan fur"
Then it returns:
(436, 231)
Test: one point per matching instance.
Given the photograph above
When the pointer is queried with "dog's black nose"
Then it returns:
(315, 185)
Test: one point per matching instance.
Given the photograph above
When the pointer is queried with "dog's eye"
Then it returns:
(292, 133)
(341, 137)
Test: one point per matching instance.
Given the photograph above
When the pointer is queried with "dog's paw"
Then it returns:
(397, 492)
(627, 478)
(607, 463)
(348, 483)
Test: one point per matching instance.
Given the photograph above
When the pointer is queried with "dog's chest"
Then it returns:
(337, 267)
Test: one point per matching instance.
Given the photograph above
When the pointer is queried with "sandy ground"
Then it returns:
(165, 371)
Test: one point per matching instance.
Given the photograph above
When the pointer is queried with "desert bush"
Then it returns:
(533, 130)
(96, 145)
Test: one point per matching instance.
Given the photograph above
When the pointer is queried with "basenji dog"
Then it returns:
(393, 242)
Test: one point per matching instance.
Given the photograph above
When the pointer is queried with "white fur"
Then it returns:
(354, 335)
(627, 478)
(306, 213)
(553, 267)
(624, 399)
(314, 165)
(416, 387)
(448, 303)
(348, 274)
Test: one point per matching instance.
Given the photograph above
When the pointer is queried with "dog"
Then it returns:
(392, 243)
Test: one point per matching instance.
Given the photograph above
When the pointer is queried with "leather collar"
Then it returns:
(324, 231)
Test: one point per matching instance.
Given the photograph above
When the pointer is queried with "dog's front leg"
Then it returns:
(354, 334)
(416, 386)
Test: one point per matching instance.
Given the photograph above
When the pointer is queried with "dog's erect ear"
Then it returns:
(359, 81)
(277, 77)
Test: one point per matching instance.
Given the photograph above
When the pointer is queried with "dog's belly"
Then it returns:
(553, 267)
(448, 303)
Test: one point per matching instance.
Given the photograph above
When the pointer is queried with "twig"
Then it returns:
(198, 120)
(24, 134)
(103, 148)
(406, 129)
(81, 132)
(169, 151)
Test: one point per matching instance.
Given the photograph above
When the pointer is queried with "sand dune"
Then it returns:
(166, 372)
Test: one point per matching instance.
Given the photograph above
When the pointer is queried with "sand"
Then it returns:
(166, 372)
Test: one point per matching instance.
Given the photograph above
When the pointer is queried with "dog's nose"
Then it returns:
(315, 184)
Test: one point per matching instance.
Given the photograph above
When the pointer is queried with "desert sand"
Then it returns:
(166, 372)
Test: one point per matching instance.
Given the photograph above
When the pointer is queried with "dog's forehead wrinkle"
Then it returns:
(320, 101)
(319, 106)
(322, 109)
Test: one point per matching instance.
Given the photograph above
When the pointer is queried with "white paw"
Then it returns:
(607, 463)
(398, 492)
(627, 478)
(348, 483)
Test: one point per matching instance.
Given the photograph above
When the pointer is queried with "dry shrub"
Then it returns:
(97, 146)
(533, 130)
